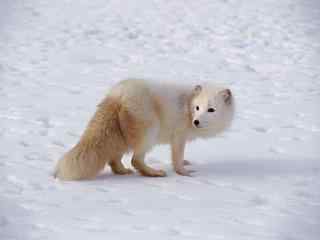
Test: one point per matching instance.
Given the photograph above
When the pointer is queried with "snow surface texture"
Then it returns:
(260, 180)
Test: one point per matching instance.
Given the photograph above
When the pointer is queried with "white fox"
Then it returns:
(137, 115)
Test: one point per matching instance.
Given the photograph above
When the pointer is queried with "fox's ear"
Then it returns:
(197, 90)
(226, 95)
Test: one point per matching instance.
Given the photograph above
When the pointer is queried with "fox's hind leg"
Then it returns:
(148, 140)
(145, 170)
(140, 125)
(117, 167)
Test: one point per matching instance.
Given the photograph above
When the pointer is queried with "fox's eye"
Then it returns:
(197, 108)
(211, 110)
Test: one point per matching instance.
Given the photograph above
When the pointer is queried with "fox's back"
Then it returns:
(144, 99)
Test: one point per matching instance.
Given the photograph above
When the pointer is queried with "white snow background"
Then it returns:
(259, 180)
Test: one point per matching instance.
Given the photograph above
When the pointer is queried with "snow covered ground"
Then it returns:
(260, 180)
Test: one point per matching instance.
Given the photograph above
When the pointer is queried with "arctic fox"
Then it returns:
(137, 115)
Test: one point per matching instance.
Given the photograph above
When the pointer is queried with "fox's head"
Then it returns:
(211, 108)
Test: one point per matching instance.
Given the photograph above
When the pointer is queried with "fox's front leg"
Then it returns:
(178, 144)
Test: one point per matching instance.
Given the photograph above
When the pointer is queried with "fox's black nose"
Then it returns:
(196, 122)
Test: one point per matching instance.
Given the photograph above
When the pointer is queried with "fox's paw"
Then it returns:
(119, 168)
(123, 171)
(150, 172)
(184, 172)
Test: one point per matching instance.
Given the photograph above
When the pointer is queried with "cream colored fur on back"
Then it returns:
(135, 116)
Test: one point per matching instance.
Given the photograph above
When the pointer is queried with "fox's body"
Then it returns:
(137, 115)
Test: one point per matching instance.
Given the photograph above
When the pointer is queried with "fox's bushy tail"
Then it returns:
(101, 142)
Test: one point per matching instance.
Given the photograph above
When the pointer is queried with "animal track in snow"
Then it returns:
(72, 134)
(58, 143)
(24, 144)
(2, 160)
(262, 129)
(75, 91)
(115, 202)
(3, 221)
(259, 201)
(276, 150)
(32, 156)
(45, 121)
(127, 212)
